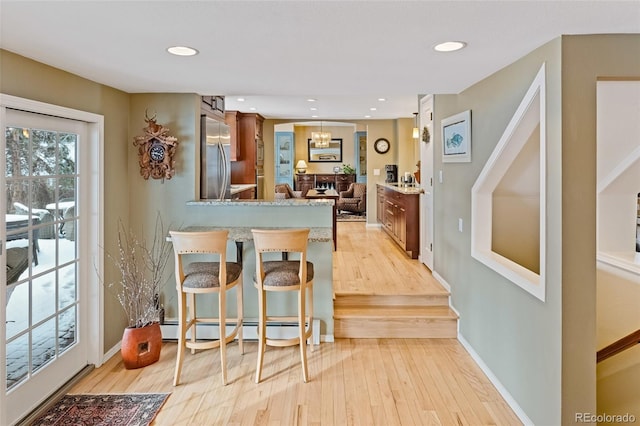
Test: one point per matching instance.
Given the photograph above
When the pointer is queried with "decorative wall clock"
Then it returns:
(156, 150)
(381, 146)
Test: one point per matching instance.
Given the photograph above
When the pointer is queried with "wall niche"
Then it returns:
(508, 198)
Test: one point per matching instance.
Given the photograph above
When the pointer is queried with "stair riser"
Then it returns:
(390, 300)
(395, 328)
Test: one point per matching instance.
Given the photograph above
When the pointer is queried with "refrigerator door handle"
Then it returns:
(225, 171)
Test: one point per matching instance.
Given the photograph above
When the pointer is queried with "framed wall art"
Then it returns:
(456, 138)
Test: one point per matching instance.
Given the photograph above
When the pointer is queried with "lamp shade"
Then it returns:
(416, 130)
(301, 165)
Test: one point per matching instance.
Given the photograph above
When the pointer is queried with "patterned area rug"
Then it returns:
(122, 409)
(348, 217)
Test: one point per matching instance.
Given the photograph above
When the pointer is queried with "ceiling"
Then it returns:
(277, 54)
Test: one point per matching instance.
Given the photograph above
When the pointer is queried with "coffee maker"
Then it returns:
(392, 173)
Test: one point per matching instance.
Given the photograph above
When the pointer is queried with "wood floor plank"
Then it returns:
(352, 381)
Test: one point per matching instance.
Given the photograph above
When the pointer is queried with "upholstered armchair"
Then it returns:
(354, 199)
(283, 190)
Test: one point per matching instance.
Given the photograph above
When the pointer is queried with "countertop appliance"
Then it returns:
(215, 159)
(392, 173)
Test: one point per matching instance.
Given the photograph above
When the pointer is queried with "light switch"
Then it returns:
(440, 176)
(460, 224)
(376, 172)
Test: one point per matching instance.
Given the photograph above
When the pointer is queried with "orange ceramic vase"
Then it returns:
(141, 346)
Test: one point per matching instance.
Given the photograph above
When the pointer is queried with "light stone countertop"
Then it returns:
(237, 188)
(398, 187)
(295, 202)
(242, 234)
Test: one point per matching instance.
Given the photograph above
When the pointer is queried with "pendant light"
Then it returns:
(416, 131)
(321, 139)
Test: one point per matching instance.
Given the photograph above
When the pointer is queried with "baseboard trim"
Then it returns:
(250, 330)
(511, 402)
(441, 280)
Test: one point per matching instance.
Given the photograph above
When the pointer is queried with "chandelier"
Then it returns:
(321, 139)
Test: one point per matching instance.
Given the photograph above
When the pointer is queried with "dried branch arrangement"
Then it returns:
(141, 270)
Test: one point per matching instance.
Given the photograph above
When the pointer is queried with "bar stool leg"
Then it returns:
(262, 329)
(310, 309)
(303, 331)
(192, 319)
(182, 333)
(240, 316)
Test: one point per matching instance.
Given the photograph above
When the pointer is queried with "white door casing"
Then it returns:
(426, 183)
(21, 399)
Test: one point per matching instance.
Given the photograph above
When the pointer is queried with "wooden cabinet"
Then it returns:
(339, 182)
(231, 119)
(343, 182)
(249, 165)
(304, 182)
(398, 212)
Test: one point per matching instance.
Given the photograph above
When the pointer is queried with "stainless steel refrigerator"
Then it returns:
(215, 161)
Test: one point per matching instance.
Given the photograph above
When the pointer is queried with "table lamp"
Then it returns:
(301, 166)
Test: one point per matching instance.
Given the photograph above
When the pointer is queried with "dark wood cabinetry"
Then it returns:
(307, 181)
(399, 214)
(304, 183)
(248, 166)
(343, 182)
(231, 119)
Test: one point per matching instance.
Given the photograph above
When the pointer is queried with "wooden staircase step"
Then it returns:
(363, 300)
(395, 312)
(395, 322)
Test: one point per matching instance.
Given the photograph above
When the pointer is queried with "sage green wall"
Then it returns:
(542, 352)
(584, 59)
(28, 79)
(517, 336)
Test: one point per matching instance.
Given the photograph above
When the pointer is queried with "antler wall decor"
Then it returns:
(156, 150)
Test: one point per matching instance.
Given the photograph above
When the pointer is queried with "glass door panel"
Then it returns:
(42, 257)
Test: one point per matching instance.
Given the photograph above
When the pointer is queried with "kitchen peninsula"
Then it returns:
(240, 216)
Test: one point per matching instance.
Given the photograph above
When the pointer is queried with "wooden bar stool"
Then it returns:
(205, 277)
(284, 275)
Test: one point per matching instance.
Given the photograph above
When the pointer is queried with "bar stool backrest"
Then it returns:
(284, 241)
(207, 242)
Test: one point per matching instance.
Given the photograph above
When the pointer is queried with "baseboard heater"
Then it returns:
(275, 330)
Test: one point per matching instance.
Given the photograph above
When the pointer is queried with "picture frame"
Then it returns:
(330, 154)
(456, 138)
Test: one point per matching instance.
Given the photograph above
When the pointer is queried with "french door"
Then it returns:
(45, 312)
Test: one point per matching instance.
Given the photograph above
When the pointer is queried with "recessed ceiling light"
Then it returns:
(313, 109)
(314, 116)
(367, 116)
(252, 109)
(449, 46)
(311, 100)
(382, 99)
(182, 50)
(240, 99)
(373, 109)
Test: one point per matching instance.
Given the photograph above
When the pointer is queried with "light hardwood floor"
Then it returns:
(369, 262)
(352, 381)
